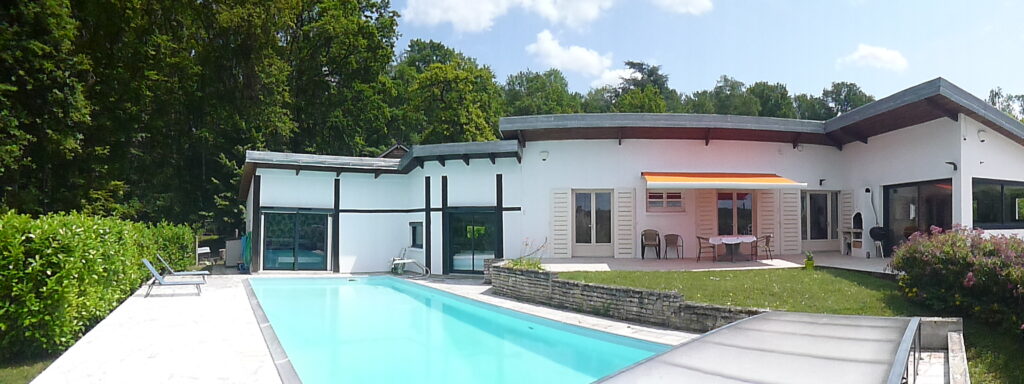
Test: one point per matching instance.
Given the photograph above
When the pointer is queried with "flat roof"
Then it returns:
(933, 99)
(786, 347)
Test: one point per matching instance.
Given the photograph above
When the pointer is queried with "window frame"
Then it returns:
(664, 208)
(1003, 223)
(416, 228)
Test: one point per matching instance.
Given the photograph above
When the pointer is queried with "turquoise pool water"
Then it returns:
(386, 330)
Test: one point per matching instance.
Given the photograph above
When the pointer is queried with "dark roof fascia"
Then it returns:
(512, 126)
(457, 151)
(935, 87)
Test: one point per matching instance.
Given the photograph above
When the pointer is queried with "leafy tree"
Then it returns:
(406, 125)
(773, 99)
(339, 54)
(599, 100)
(650, 76)
(810, 107)
(458, 102)
(1010, 104)
(646, 100)
(533, 93)
(43, 109)
(731, 98)
(845, 96)
(702, 102)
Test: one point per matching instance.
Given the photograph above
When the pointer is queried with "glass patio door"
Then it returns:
(914, 207)
(472, 238)
(295, 241)
(592, 224)
(735, 213)
(819, 220)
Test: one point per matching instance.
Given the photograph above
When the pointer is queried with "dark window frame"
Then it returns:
(416, 228)
(1002, 223)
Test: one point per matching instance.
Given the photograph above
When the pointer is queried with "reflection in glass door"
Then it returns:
(915, 207)
(295, 241)
(472, 238)
(592, 224)
(735, 213)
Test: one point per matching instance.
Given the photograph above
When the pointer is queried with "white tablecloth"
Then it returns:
(732, 239)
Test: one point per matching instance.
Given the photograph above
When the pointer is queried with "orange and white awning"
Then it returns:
(677, 180)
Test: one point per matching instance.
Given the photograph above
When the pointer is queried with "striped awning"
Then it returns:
(677, 180)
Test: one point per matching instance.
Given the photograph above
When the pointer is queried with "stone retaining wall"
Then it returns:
(661, 308)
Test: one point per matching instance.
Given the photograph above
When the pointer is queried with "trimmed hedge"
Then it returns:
(61, 274)
(965, 272)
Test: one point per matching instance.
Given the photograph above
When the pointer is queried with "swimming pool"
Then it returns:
(383, 329)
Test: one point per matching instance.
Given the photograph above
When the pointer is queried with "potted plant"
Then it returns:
(809, 260)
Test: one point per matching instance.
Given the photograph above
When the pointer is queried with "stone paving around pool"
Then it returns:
(174, 336)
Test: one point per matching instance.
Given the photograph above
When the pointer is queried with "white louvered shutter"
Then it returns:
(767, 203)
(625, 223)
(707, 213)
(845, 210)
(561, 216)
(789, 237)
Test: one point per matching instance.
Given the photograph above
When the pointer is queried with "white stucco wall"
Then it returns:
(996, 158)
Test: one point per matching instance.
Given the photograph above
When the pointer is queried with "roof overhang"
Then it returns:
(681, 180)
(934, 99)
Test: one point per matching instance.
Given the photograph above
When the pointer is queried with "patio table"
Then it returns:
(732, 243)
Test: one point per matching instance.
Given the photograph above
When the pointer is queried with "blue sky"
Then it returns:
(884, 46)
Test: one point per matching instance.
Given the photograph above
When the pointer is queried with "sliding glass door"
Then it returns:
(295, 241)
(915, 207)
(473, 237)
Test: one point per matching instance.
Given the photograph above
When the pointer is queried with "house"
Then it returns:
(586, 185)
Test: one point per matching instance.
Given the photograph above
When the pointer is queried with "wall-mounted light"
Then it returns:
(821, 182)
(799, 147)
(952, 164)
(982, 135)
(544, 155)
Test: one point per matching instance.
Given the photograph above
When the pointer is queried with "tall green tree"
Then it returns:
(702, 102)
(1010, 104)
(810, 107)
(773, 99)
(43, 108)
(599, 100)
(458, 101)
(731, 98)
(844, 96)
(646, 100)
(647, 75)
(339, 52)
(534, 93)
(406, 124)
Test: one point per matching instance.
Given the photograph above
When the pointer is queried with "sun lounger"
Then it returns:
(159, 280)
(182, 273)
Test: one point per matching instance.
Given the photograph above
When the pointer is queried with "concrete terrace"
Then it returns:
(175, 336)
(823, 259)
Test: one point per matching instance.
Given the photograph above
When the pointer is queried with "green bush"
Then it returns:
(525, 263)
(967, 273)
(61, 274)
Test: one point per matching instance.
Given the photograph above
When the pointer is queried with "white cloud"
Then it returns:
(479, 15)
(573, 58)
(874, 57)
(693, 7)
(613, 76)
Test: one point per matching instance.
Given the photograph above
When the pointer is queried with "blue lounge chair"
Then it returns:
(182, 273)
(159, 280)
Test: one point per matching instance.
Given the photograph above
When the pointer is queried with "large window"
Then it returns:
(416, 234)
(665, 201)
(735, 213)
(998, 204)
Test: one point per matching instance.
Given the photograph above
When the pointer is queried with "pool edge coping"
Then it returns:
(285, 371)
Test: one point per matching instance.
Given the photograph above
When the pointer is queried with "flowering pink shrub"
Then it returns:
(965, 272)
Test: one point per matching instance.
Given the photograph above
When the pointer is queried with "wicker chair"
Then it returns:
(704, 244)
(763, 245)
(650, 238)
(674, 241)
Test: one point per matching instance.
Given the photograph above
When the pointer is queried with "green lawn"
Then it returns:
(22, 371)
(994, 356)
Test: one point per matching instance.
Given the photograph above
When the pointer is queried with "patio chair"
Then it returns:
(763, 244)
(674, 241)
(182, 273)
(159, 280)
(704, 244)
(650, 238)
